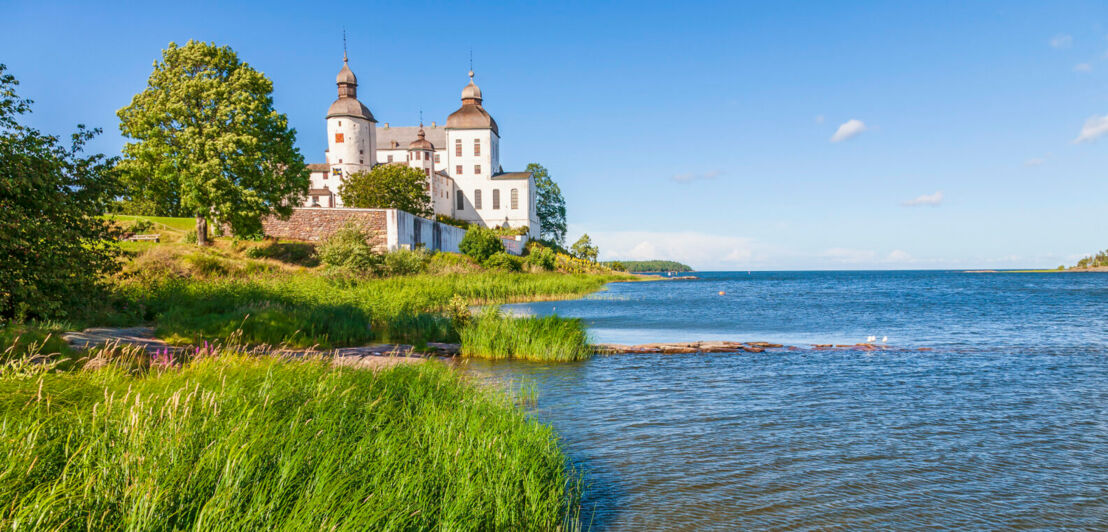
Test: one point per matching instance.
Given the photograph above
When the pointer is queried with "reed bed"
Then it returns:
(302, 310)
(231, 442)
(495, 336)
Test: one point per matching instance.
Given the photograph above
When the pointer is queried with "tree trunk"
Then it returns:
(201, 231)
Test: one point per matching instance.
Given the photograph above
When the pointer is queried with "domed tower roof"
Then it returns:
(471, 115)
(421, 143)
(348, 104)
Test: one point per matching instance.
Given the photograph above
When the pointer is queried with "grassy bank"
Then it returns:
(236, 443)
(546, 339)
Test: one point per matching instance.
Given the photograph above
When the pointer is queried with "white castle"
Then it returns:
(461, 161)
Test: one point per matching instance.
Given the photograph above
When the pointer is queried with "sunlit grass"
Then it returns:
(548, 339)
(238, 443)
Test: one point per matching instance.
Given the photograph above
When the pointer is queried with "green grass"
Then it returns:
(237, 443)
(163, 223)
(305, 309)
(495, 336)
(23, 339)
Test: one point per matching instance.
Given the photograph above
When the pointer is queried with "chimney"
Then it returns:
(386, 125)
(432, 124)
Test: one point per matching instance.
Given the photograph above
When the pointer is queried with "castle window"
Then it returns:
(477, 169)
(437, 159)
(338, 138)
(461, 201)
(515, 198)
(458, 147)
(390, 158)
(496, 198)
(458, 170)
(361, 152)
(427, 171)
(476, 199)
(476, 147)
(340, 122)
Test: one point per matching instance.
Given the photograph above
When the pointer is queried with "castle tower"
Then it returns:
(351, 129)
(472, 150)
(421, 154)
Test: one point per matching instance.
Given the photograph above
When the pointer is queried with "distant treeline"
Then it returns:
(1095, 261)
(639, 266)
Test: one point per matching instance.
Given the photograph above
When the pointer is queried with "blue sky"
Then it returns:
(695, 131)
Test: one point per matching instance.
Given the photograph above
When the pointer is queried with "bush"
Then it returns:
(504, 261)
(480, 243)
(299, 253)
(349, 249)
(443, 262)
(406, 262)
(541, 257)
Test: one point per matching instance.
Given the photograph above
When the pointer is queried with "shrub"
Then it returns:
(504, 261)
(443, 262)
(480, 243)
(541, 257)
(349, 249)
(299, 253)
(406, 262)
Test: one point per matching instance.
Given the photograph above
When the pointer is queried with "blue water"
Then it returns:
(1003, 423)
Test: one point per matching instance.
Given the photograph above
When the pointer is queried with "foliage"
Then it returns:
(511, 231)
(480, 243)
(548, 339)
(449, 220)
(207, 143)
(54, 246)
(616, 266)
(1095, 261)
(25, 339)
(229, 442)
(406, 262)
(584, 249)
(541, 257)
(504, 262)
(300, 253)
(389, 186)
(641, 266)
(349, 249)
(442, 262)
(550, 205)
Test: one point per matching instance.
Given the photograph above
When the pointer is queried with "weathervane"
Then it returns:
(344, 44)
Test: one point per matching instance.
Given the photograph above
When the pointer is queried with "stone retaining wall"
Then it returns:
(315, 224)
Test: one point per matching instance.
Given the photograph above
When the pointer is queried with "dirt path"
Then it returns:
(370, 356)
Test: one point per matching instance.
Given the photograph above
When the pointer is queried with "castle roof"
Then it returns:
(511, 175)
(421, 143)
(348, 104)
(395, 138)
(472, 115)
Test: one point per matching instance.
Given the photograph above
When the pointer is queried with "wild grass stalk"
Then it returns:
(495, 336)
(257, 443)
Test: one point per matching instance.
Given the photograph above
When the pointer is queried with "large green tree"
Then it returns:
(54, 249)
(207, 142)
(389, 186)
(584, 248)
(550, 207)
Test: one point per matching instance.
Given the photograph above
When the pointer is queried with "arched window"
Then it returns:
(476, 147)
(496, 198)
(458, 147)
(461, 200)
(515, 198)
(476, 199)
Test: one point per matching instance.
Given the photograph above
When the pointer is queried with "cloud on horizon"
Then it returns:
(690, 177)
(932, 200)
(1061, 41)
(849, 129)
(697, 249)
(865, 256)
(1094, 127)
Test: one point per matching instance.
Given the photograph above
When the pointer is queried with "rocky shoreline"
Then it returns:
(676, 348)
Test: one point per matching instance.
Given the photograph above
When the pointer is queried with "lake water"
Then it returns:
(1002, 424)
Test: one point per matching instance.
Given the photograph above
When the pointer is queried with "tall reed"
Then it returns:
(259, 443)
(547, 339)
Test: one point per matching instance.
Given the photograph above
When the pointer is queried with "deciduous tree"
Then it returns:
(54, 248)
(389, 186)
(584, 248)
(206, 142)
(550, 206)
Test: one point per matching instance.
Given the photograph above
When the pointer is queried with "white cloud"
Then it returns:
(865, 256)
(1094, 127)
(932, 200)
(1083, 67)
(1061, 41)
(1034, 161)
(700, 250)
(897, 255)
(690, 177)
(851, 128)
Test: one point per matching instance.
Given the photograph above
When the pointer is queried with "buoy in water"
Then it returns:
(722, 293)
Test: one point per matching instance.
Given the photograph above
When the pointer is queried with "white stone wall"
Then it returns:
(408, 231)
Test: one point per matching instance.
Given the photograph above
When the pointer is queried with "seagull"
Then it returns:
(884, 339)
(871, 338)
